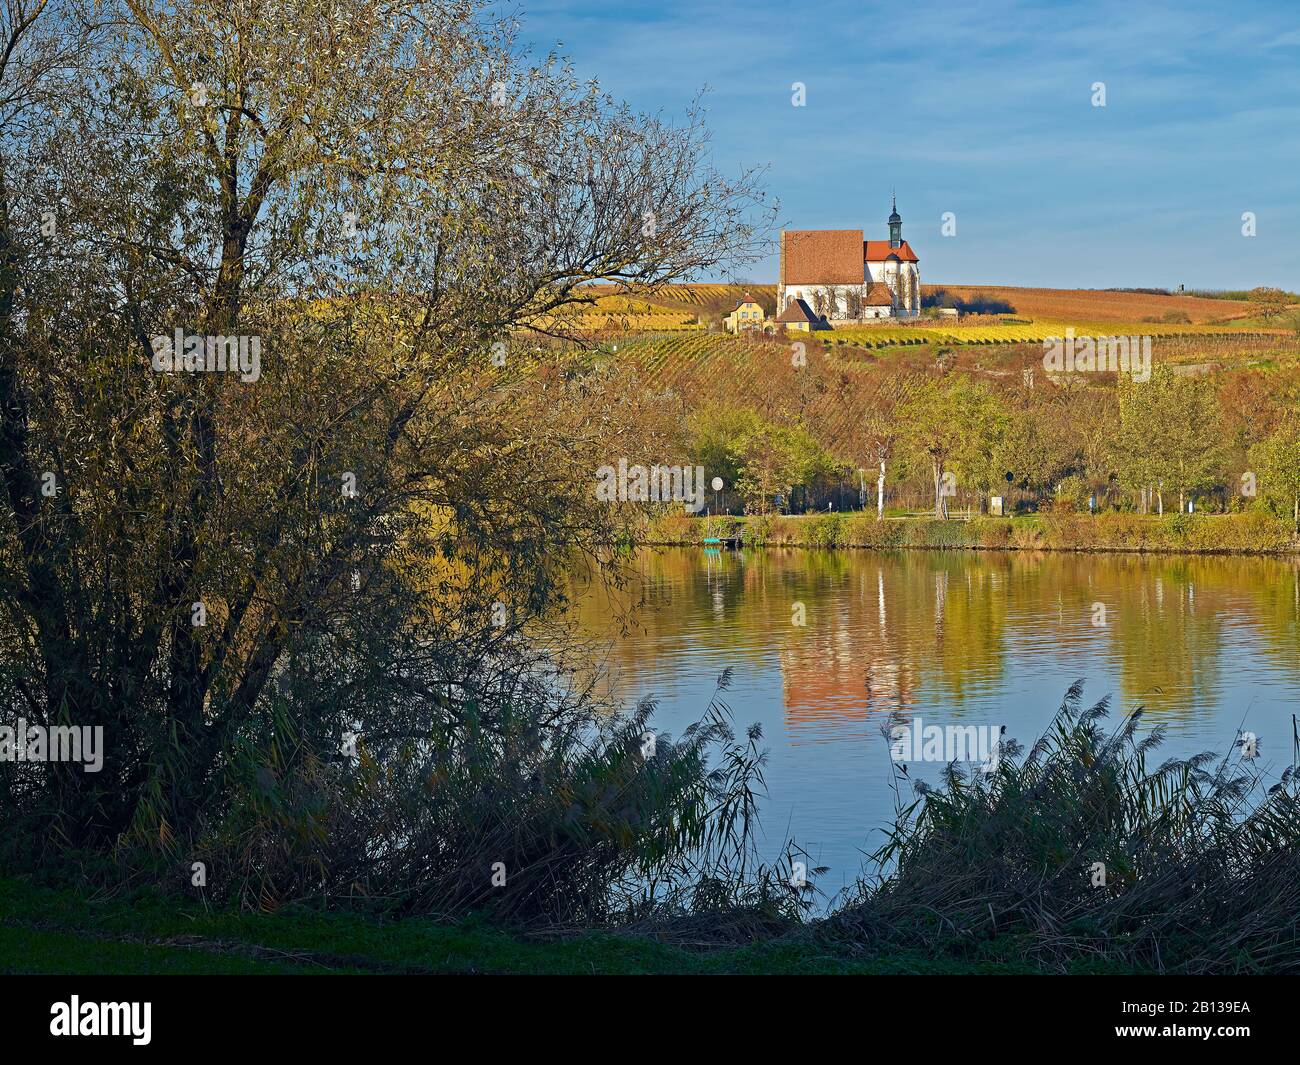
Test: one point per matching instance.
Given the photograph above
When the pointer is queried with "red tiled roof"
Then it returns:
(877, 251)
(821, 257)
(798, 311)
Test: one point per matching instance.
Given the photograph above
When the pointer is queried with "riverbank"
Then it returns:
(1252, 532)
(49, 931)
(1074, 856)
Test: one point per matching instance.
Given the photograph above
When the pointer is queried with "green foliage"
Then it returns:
(824, 530)
(1276, 464)
(718, 438)
(956, 426)
(1073, 492)
(1251, 531)
(1169, 432)
(1076, 856)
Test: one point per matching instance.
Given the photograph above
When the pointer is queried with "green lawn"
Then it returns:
(49, 931)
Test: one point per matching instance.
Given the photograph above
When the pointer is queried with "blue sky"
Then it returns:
(984, 109)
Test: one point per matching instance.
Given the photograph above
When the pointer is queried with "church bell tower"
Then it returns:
(895, 226)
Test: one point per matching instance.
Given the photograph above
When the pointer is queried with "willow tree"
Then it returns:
(264, 268)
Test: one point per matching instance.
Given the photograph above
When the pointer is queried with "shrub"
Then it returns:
(1073, 493)
(786, 529)
(1176, 529)
(717, 526)
(756, 530)
(673, 528)
(1116, 529)
(823, 530)
(992, 532)
(1062, 528)
(928, 532)
(560, 792)
(1027, 534)
(863, 530)
(1251, 530)
(1199, 865)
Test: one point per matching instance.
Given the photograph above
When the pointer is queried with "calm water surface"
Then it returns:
(1208, 645)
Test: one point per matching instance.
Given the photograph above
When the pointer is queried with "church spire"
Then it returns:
(895, 224)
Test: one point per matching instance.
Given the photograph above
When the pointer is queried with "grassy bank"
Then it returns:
(1253, 532)
(44, 930)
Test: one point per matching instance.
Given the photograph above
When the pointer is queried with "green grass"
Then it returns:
(60, 932)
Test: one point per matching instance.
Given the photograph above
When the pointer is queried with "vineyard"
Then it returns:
(663, 361)
(1035, 315)
(1031, 333)
(715, 370)
(685, 296)
(1049, 304)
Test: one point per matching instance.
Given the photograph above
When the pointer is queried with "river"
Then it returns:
(826, 645)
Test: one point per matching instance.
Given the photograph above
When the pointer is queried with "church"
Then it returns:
(838, 276)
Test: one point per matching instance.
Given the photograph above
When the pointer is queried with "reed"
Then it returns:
(1080, 850)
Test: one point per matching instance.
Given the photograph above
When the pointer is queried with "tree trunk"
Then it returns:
(880, 492)
(938, 490)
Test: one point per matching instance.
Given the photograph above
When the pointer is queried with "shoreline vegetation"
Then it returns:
(1248, 533)
(1076, 855)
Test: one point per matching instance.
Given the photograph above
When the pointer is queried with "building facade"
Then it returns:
(746, 315)
(844, 278)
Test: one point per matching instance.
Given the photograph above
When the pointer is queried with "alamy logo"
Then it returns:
(1071, 354)
(656, 484)
(208, 354)
(103, 1018)
(57, 743)
(914, 741)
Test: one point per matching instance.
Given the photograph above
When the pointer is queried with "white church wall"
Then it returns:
(894, 276)
(810, 293)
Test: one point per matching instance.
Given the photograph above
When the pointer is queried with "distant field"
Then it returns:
(1096, 305)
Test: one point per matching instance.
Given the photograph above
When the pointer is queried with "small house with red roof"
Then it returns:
(845, 279)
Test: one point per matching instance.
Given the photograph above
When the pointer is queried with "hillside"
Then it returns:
(681, 304)
(1096, 304)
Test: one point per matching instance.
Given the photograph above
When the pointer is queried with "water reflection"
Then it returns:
(1204, 643)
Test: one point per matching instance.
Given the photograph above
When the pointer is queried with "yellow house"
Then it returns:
(747, 315)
